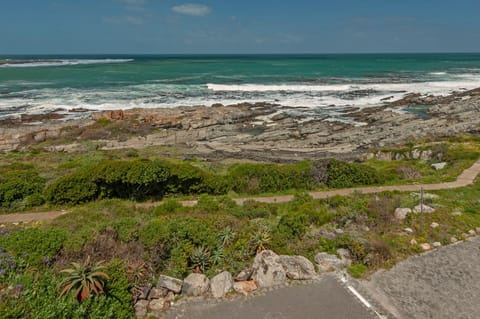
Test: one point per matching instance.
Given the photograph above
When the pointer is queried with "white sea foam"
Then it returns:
(314, 99)
(63, 62)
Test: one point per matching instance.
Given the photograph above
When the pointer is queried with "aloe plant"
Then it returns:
(200, 259)
(84, 279)
(226, 236)
(260, 240)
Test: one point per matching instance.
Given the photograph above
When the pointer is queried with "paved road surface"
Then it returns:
(327, 299)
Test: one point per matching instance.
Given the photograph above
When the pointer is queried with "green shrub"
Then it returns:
(188, 179)
(210, 204)
(126, 228)
(253, 209)
(33, 244)
(357, 270)
(75, 188)
(293, 225)
(316, 213)
(38, 298)
(168, 207)
(16, 186)
(342, 174)
(261, 178)
(171, 241)
(137, 179)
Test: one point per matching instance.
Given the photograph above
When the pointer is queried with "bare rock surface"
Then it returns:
(441, 284)
(268, 270)
(170, 283)
(221, 284)
(258, 131)
(195, 285)
(402, 213)
(327, 263)
(297, 267)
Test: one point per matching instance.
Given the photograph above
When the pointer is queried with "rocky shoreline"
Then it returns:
(258, 131)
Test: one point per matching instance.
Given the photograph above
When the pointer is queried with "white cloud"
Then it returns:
(192, 9)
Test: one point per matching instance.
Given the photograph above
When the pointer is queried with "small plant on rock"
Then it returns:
(84, 279)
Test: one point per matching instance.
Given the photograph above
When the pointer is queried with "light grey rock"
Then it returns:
(472, 232)
(345, 256)
(195, 285)
(267, 270)
(434, 225)
(453, 239)
(170, 283)
(426, 209)
(426, 155)
(156, 307)
(457, 213)
(297, 267)
(221, 284)
(141, 309)
(416, 154)
(245, 287)
(402, 213)
(244, 275)
(413, 242)
(408, 230)
(437, 244)
(425, 195)
(426, 246)
(326, 262)
(157, 293)
(439, 166)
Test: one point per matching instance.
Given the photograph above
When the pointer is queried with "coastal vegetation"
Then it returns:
(90, 262)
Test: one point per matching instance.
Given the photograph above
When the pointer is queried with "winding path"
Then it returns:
(467, 177)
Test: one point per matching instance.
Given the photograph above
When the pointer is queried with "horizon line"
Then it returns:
(237, 54)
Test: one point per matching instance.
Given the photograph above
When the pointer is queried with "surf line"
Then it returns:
(362, 299)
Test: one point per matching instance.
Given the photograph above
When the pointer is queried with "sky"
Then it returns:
(238, 26)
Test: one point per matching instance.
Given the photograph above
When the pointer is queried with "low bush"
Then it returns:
(34, 245)
(75, 188)
(263, 178)
(20, 186)
(342, 174)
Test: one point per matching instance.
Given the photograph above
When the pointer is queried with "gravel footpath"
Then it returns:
(441, 284)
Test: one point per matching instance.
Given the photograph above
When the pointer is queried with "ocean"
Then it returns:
(314, 84)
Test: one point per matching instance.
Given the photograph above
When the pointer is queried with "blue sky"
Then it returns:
(238, 26)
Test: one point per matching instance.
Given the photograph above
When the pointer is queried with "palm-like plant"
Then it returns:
(218, 256)
(226, 236)
(260, 241)
(200, 259)
(84, 279)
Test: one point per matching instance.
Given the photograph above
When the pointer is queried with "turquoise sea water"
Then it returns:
(320, 84)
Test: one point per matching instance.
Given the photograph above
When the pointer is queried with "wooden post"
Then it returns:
(421, 209)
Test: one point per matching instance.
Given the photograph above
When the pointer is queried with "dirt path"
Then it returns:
(466, 178)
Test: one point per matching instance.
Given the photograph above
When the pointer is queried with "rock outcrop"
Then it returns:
(268, 270)
(221, 284)
(297, 267)
(195, 285)
(327, 263)
(170, 283)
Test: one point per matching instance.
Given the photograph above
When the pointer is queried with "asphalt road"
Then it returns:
(327, 299)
